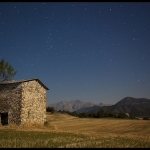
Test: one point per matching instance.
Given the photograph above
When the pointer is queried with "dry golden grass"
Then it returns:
(32, 126)
(67, 123)
(65, 131)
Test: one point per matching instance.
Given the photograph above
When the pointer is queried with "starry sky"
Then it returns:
(89, 51)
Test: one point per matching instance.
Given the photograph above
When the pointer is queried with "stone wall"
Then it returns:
(10, 101)
(23, 101)
(33, 102)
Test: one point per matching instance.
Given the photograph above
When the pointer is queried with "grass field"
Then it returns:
(65, 131)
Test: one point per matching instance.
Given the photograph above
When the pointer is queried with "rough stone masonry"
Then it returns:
(23, 101)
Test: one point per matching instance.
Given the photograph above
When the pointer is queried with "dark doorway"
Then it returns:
(4, 118)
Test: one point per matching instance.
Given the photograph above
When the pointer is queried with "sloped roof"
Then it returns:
(23, 80)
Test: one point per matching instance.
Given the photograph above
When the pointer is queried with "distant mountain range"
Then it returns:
(76, 105)
(136, 107)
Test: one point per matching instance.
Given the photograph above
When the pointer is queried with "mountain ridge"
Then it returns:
(74, 105)
(136, 107)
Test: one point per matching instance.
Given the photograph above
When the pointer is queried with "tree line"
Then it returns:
(100, 114)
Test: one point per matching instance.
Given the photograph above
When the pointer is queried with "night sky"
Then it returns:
(88, 51)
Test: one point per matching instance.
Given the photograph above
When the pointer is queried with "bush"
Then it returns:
(46, 123)
(100, 113)
(83, 115)
(145, 118)
(122, 115)
(50, 109)
(132, 117)
(92, 115)
(74, 113)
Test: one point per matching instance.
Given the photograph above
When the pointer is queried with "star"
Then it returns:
(91, 44)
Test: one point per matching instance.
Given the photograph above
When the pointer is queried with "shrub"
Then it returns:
(50, 109)
(132, 117)
(145, 118)
(46, 123)
(122, 115)
(100, 113)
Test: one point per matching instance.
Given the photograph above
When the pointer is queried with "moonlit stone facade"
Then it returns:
(23, 100)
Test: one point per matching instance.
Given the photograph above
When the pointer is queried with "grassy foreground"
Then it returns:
(65, 131)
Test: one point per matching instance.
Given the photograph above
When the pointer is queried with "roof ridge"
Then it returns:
(23, 80)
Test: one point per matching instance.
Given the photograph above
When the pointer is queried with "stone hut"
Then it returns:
(22, 101)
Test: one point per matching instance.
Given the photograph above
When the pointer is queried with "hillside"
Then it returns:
(137, 107)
